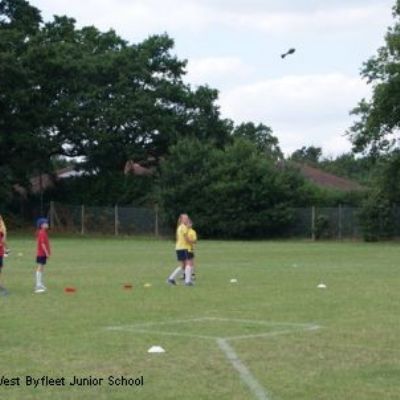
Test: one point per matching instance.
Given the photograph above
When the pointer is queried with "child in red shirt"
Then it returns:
(43, 252)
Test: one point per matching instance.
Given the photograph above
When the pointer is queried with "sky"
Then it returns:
(235, 45)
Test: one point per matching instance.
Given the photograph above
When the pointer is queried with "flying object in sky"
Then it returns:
(290, 51)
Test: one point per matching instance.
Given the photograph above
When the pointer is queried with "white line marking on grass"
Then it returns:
(223, 342)
(257, 322)
(276, 333)
(245, 374)
(169, 322)
(162, 333)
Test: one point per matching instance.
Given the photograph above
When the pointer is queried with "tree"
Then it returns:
(69, 92)
(377, 129)
(310, 154)
(230, 192)
(20, 148)
(261, 136)
(377, 132)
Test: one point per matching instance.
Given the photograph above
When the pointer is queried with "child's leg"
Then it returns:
(3, 290)
(188, 273)
(39, 276)
(175, 273)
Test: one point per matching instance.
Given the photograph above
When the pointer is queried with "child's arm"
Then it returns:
(45, 249)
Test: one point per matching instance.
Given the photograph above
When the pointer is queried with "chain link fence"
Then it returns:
(107, 220)
(326, 223)
(312, 223)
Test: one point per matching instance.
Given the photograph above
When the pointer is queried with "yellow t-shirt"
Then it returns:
(181, 242)
(192, 235)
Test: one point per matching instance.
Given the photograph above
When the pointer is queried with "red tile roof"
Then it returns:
(328, 180)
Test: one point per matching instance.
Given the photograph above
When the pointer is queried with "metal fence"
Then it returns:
(313, 222)
(326, 223)
(107, 220)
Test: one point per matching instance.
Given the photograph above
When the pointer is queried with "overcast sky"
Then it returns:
(235, 46)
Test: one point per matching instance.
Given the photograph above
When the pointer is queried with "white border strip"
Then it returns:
(223, 343)
(153, 332)
(275, 333)
(245, 374)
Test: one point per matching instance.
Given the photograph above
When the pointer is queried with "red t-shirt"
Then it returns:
(42, 238)
(1, 244)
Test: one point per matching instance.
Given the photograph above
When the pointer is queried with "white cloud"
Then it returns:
(329, 19)
(215, 70)
(302, 110)
(132, 18)
(141, 17)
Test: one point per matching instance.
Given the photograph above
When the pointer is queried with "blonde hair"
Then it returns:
(3, 227)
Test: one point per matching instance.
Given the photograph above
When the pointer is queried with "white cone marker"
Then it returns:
(156, 349)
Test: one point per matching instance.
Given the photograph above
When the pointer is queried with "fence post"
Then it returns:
(116, 222)
(313, 223)
(340, 222)
(156, 222)
(82, 219)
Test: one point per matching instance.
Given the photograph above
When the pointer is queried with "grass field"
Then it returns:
(273, 335)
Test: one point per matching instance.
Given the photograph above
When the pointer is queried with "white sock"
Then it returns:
(188, 274)
(175, 273)
(38, 279)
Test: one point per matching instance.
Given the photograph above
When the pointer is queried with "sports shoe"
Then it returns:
(189, 284)
(40, 289)
(171, 281)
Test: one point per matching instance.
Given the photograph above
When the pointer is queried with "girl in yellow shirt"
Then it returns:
(182, 252)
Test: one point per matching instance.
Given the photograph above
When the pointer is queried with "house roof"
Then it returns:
(136, 169)
(328, 180)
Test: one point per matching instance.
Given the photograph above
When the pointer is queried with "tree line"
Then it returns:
(80, 96)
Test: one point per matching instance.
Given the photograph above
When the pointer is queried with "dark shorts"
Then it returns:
(182, 255)
(41, 260)
(1, 262)
(190, 255)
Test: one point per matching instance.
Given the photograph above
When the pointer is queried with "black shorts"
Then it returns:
(41, 260)
(182, 255)
(190, 255)
(1, 262)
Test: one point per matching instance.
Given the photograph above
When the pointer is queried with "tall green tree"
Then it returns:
(230, 192)
(377, 127)
(376, 132)
(261, 136)
(73, 92)
(20, 147)
(310, 155)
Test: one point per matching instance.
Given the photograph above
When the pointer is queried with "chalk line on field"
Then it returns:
(294, 325)
(245, 374)
(255, 321)
(162, 333)
(276, 333)
(168, 322)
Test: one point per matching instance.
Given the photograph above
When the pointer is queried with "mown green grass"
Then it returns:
(354, 355)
